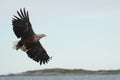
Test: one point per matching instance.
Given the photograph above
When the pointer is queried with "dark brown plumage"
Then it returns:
(29, 40)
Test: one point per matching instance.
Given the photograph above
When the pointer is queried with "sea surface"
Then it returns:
(63, 77)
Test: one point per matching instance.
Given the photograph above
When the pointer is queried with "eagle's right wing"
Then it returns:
(21, 25)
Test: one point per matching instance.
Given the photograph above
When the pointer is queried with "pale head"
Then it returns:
(39, 36)
(42, 35)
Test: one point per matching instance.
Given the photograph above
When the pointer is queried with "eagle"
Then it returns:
(29, 40)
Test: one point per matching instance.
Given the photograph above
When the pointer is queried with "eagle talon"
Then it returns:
(23, 48)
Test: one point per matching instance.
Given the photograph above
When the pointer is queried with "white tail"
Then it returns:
(15, 44)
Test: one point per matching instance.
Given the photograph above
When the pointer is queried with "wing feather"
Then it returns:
(22, 13)
(16, 18)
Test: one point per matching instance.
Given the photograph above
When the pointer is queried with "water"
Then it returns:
(63, 77)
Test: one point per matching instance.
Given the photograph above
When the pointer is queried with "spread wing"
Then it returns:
(37, 53)
(21, 25)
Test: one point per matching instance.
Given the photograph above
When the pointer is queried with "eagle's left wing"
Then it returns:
(37, 53)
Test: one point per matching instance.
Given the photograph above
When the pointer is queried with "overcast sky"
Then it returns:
(81, 34)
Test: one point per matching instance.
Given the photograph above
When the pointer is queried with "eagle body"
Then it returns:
(29, 41)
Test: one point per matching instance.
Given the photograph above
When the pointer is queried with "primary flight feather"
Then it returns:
(29, 42)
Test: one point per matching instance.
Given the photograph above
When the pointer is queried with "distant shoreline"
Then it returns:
(59, 71)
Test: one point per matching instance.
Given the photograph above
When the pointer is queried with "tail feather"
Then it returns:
(15, 43)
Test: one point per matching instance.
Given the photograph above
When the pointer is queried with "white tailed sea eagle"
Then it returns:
(29, 42)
